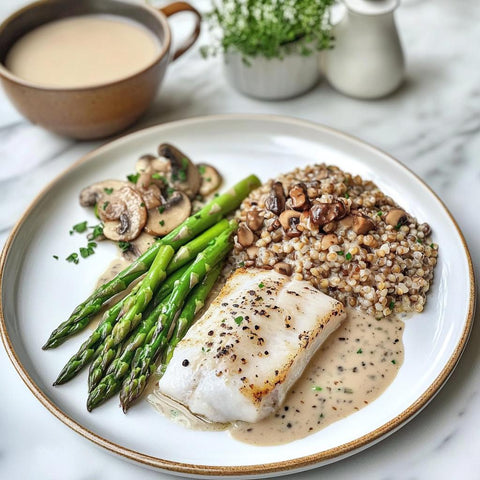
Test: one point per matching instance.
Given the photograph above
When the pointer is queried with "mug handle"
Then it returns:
(177, 7)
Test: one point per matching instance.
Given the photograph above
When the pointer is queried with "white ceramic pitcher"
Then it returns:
(367, 60)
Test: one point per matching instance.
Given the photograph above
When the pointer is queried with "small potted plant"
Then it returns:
(270, 46)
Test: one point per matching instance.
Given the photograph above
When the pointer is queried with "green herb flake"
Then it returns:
(239, 320)
(170, 190)
(133, 178)
(72, 258)
(359, 350)
(86, 251)
(124, 246)
(205, 350)
(241, 264)
(394, 362)
(161, 223)
(347, 196)
(340, 252)
(142, 204)
(79, 227)
(397, 227)
(317, 389)
(391, 305)
(202, 169)
(157, 176)
(92, 245)
(432, 245)
(161, 209)
(105, 205)
(96, 232)
(321, 415)
(216, 194)
(261, 285)
(420, 241)
(182, 175)
(108, 191)
(379, 213)
(55, 257)
(348, 256)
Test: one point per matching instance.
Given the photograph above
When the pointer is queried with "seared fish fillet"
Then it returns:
(239, 360)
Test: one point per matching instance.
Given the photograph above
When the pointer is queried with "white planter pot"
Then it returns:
(272, 79)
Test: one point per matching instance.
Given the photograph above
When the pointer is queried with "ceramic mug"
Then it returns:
(95, 111)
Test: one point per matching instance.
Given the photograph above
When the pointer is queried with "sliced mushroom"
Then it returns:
(245, 236)
(362, 224)
(100, 192)
(210, 179)
(139, 246)
(124, 215)
(163, 219)
(150, 192)
(252, 252)
(395, 217)
(255, 220)
(283, 268)
(298, 194)
(275, 202)
(182, 174)
(289, 219)
(323, 213)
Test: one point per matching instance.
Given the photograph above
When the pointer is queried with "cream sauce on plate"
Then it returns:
(353, 367)
(83, 51)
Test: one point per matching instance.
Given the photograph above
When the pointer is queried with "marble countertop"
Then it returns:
(432, 124)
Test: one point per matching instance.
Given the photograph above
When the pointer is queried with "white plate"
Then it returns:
(38, 292)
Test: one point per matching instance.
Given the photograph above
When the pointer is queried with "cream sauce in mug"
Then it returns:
(353, 367)
(83, 51)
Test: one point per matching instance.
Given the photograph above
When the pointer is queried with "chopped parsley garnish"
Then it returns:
(359, 350)
(157, 176)
(170, 190)
(182, 175)
(348, 256)
(397, 226)
(161, 209)
(105, 205)
(142, 204)
(79, 227)
(239, 320)
(72, 258)
(347, 196)
(391, 305)
(379, 213)
(162, 223)
(205, 350)
(241, 264)
(55, 257)
(261, 285)
(124, 246)
(202, 169)
(108, 191)
(86, 251)
(317, 389)
(340, 252)
(216, 194)
(133, 177)
(432, 245)
(184, 163)
(394, 362)
(321, 415)
(420, 241)
(96, 232)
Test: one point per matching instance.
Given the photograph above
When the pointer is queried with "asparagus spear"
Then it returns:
(120, 367)
(194, 303)
(155, 340)
(133, 308)
(189, 229)
(88, 350)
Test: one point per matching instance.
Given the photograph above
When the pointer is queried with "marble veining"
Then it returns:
(432, 124)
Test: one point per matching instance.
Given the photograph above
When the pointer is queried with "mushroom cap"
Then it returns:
(183, 175)
(93, 194)
(162, 220)
(124, 215)
(210, 179)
